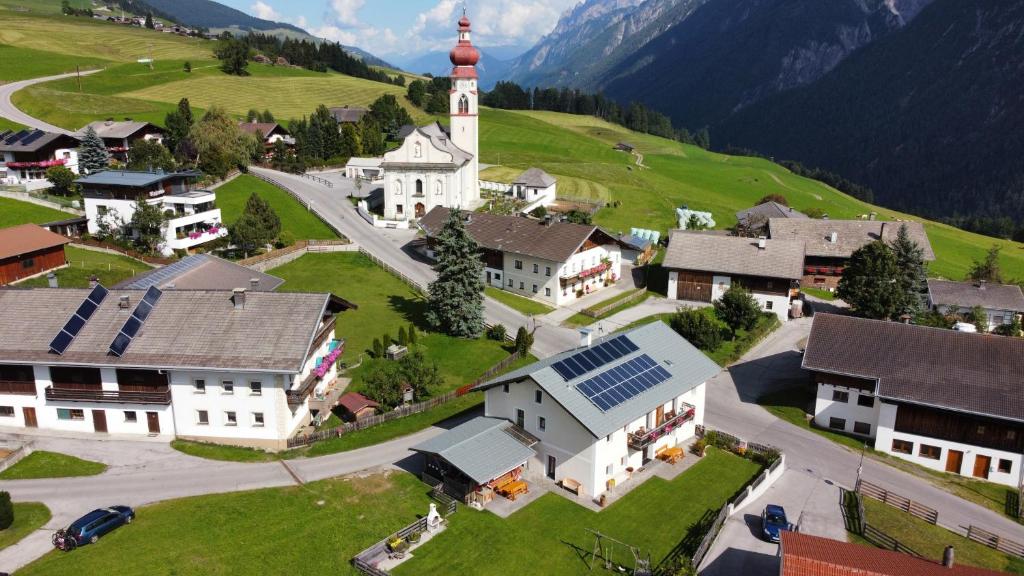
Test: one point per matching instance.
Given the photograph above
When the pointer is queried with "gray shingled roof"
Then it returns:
(734, 255)
(115, 129)
(516, 234)
(688, 367)
(850, 235)
(480, 448)
(971, 294)
(768, 210)
(202, 272)
(346, 114)
(132, 178)
(189, 329)
(975, 373)
(33, 140)
(535, 178)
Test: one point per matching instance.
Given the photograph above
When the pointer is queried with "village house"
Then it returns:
(364, 168)
(25, 156)
(828, 244)
(536, 187)
(269, 134)
(551, 261)
(119, 137)
(233, 367)
(202, 272)
(754, 221)
(702, 266)
(946, 400)
(586, 418)
(1001, 302)
(346, 115)
(29, 250)
(111, 197)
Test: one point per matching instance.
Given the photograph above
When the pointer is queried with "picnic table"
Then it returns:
(671, 455)
(512, 489)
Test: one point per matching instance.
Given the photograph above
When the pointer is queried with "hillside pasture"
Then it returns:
(72, 111)
(17, 63)
(14, 212)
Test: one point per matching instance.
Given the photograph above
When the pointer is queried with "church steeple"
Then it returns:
(464, 56)
(463, 104)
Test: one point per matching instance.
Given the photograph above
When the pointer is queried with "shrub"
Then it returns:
(412, 334)
(403, 337)
(738, 309)
(697, 328)
(497, 332)
(698, 447)
(6, 510)
(524, 340)
(378, 350)
(284, 239)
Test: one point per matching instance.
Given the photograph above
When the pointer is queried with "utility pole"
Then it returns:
(78, 75)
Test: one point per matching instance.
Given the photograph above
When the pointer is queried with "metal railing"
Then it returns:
(113, 396)
(639, 441)
(318, 180)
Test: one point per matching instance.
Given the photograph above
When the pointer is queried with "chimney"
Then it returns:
(51, 280)
(93, 281)
(762, 243)
(238, 297)
(947, 557)
(547, 219)
(586, 337)
(124, 302)
(254, 283)
(833, 237)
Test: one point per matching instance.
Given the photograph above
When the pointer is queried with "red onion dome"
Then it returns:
(464, 23)
(464, 54)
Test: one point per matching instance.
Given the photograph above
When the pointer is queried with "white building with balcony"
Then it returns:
(232, 367)
(111, 198)
(586, 418)
(550, 261)
(26, 155)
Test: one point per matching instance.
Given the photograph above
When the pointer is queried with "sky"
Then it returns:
(402, 27)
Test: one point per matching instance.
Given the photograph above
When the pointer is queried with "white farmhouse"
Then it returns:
(949, 401)
(232, 367)
(703, 265)
(554, 262)
(111, 197)
(1001, 302)
(587, 417)
(536, 187)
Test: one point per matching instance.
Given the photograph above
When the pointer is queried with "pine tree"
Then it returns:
(253, 115)
(266, 117)
(455, 306)
(988, 270)
(188, 67)
(912, 273)
(92, 154)
(869, 282)
(178, 124)
(6, 510)
(257, 226)
(412, 335)
(149, 20)
(403, 337)
(524, 341)
(350, 144)
(378, 350)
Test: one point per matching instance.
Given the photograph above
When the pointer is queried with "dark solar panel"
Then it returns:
(131, 327)
(74, 325)
(32, 138)
(134, 323)
(142, 311)
(120, 344)
(593, 358)
(98, 294)
(619, 384)
(152, 295)
(61, 342)
(87, 309)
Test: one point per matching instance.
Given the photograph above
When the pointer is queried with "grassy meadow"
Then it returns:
(14, 212)
(28, 517)
(18, 63)
(43, 464)
(84, 264)
(295, 218)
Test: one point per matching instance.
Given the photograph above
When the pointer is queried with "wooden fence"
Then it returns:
(995, 541)
(365, 560)
(598, 312)
(860, 526)
(299, 246)
(106, 246)
(903, 503)
(412, 283)
(401, 411)
(730, 442)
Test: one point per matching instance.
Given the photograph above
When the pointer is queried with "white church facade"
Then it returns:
(434, 166)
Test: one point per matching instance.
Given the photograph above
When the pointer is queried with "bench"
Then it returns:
(512, 489)
(670, 455)
(571, 485)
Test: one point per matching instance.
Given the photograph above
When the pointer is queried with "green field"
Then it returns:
(28, 517)
(295, 218)
(84, 263)
(14, 212)
(6, 124)
(18, 63)
(527, 306)
(43, 464)
(551, 531)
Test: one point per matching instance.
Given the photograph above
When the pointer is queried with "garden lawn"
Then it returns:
(580, 319)
(222, 452)
(14, 212)
(818, 293)
(83, 264)
(930, 540)
(296, 220)
(549, 535)
(28, 517)
(527, 306)
(730, 350)
(271, 531)
(43, 464)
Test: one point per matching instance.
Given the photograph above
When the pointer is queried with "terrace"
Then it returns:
(156, 396)
(643, 438)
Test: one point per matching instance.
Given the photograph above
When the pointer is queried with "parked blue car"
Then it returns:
(773, 521)
(89, 528)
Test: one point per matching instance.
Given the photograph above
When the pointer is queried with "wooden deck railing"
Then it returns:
(641, 441)
(114, 396)
(18, 387)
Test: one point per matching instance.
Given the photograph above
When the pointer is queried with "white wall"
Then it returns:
(825, 408)
(400, 183)
(775, 303)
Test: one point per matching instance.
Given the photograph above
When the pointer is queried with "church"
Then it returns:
(435, 166)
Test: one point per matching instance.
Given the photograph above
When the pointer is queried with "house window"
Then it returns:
(228, 386)
(547, 270)
(931, 452)
(981, 429)
(1005, 466)
(101, 210)
(768, 304)
(521, 285)
(199, 386)
(28, 262)
(837, 423)
(230, 419)
(256, 388)
(862, 428)
(547, 291)
(542, 423)
(511, 283)
(538, 396)
(257, 419)
(840, 396)
(902, 446)
(497, 276)
(70, 414)
(131, 416)
(997, 319)
(202, 417)
(519, 264)
(7, 411)
(609, 469)
(536, 269)
(504, 388)
(865, 400)
(419, 187)
(534, 288)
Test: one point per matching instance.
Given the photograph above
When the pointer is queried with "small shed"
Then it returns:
(535, 184)
(357, 406)
(29, 250)
(624, 147)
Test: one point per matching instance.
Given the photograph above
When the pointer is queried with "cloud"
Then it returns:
(335, 34)
(438, 15)
(345, 12)
(264, 11)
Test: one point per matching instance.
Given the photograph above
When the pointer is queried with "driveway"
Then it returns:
(11, 112)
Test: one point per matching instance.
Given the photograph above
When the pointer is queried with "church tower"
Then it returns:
(464, 111)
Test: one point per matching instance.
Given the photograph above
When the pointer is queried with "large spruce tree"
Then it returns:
(455, 306)
(257, 226)
(92, 154)
(911, 272)
(870, 282)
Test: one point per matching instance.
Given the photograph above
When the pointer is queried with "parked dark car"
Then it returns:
(89, 528)
(773, 521)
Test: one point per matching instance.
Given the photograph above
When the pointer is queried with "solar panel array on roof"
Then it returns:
(77, 321)
(617, 385)
(33, 137)
(134, 323)
(594, 357)
(163, 275)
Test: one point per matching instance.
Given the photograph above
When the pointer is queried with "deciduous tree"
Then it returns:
(147, 225)
(62, 179)
(455, 306)
(697, 328)
(220, 145)
(150, 155)
(737, 308)
(988, 269)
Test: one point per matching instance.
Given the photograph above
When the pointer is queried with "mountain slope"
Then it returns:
(931, 118)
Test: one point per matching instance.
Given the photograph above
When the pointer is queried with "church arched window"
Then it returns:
(418, 150)
(463, 105)
(419, 186)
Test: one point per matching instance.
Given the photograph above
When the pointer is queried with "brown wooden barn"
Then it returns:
(27, 250)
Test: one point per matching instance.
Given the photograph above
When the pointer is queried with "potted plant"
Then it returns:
(414, 537)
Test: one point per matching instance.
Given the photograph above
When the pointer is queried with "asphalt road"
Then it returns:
(9, 111)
